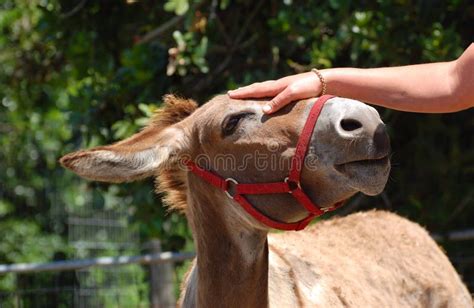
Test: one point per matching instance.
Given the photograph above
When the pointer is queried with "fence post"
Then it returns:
(161, 280)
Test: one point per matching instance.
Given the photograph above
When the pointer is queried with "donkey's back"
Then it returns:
(370, 259)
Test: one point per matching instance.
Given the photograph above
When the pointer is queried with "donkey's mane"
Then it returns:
(170, 181)
(174, 110)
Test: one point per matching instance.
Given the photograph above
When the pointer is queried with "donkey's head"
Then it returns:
(348, 152)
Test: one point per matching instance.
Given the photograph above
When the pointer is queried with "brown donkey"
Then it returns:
(373, 259)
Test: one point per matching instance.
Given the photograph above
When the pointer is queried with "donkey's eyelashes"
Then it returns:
(231, 122)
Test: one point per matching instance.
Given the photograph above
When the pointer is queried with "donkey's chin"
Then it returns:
(372, 190)
(367, 176)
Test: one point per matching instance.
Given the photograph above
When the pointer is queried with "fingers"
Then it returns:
(258, 90)
(284, 90)
(308, 86)
(284, 98)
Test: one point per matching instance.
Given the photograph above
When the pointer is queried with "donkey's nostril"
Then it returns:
(350, 124)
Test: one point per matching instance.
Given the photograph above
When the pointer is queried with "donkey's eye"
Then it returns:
(231, 122)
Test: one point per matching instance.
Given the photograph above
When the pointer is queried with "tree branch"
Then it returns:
(459, 208)
(208, 80)
(72, 12)
(150, 36)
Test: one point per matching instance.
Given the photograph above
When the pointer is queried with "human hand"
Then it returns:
(283, 90)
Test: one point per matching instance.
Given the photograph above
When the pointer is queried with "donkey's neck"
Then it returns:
(232, 258)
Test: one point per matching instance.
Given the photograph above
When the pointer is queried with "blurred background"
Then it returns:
(78, 73)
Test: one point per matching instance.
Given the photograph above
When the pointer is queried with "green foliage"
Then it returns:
(188, 52)
(179, 7)
(75, 77)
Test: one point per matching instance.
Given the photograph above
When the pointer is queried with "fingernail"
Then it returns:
(267, 108)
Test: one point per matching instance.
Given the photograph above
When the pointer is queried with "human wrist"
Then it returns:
(322, 81)
(333, 79)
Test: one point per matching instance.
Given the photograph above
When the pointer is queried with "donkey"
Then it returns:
(201, 158)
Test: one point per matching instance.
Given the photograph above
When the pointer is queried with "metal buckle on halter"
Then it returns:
(234, 181)
(292, 185)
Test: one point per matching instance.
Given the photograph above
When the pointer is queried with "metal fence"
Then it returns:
(159, 291)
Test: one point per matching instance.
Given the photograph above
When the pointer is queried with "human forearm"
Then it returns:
(416, 88)
(430, 88)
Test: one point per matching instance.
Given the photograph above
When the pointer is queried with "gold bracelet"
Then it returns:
(321, 78)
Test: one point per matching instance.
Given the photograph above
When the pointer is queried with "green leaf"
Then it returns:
(179, 7)
(5, 207)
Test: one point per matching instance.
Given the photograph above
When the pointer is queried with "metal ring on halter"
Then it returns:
(289, 182)
(227, 189)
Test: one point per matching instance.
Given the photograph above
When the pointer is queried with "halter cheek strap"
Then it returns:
(291, 184)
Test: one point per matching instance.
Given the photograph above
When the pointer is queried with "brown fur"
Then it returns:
(174, 110)
(169, 181)
(364, 260)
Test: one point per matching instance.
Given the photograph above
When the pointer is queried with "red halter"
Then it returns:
(291, 183)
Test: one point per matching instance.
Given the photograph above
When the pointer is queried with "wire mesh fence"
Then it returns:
(137, 281)
(139, 275)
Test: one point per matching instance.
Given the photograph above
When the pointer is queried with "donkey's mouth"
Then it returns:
(364, 163)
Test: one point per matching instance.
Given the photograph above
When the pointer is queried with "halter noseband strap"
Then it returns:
(291, 184)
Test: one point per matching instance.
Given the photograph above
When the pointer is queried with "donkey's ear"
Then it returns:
(138, 157)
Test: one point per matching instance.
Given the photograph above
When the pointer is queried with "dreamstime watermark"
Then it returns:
(255, 161)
